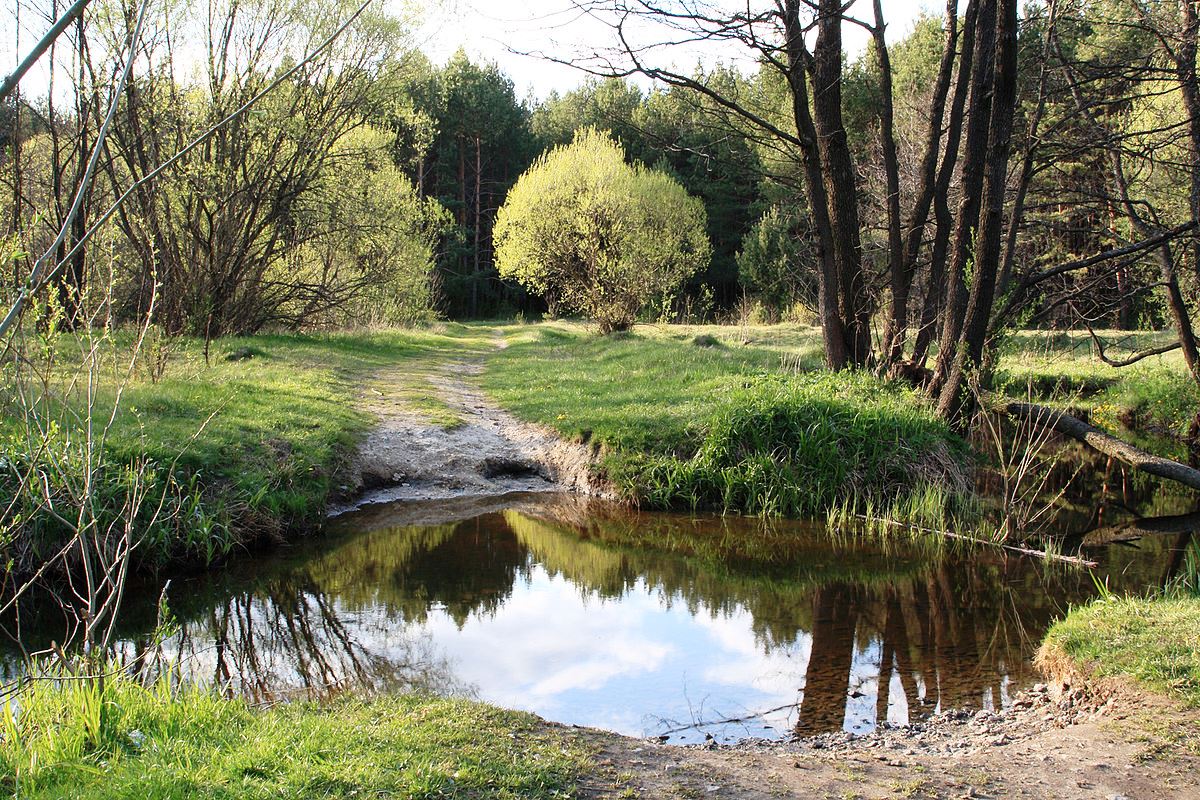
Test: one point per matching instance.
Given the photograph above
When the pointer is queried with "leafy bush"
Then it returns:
(595, 235)
(775, 265)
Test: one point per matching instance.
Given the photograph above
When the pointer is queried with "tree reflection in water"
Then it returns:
(879, 630)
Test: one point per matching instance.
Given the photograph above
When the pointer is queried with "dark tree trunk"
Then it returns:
(966, 220)
(837, 355)
(837, 168)
(902, 273)
(956, 403)
(475, 274)
(1189, 85)
(935, 294)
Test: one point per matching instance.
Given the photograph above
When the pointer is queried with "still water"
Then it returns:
(646, 624)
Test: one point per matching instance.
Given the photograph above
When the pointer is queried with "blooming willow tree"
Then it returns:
(598, 236)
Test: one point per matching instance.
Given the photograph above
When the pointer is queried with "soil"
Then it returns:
(406, 457)
(1058, 742)
(1064, 741)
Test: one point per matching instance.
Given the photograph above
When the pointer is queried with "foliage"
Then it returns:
(599, 236)
(294, 214)
(481, 142)
(775, 265)
(114, 738)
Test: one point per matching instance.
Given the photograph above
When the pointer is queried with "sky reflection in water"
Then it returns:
(647, 624)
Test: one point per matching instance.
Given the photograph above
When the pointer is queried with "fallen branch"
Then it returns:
(1078, 561)
(1106, 443)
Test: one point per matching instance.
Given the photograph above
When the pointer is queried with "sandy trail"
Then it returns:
(408, 457)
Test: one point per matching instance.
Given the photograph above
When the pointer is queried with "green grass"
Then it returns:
(254, 447)
(649, 391)
(126, 741)
(1154, 641)
(747, 423)
(1155, 395)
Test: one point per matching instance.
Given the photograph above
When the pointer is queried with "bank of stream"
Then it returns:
(693, 654)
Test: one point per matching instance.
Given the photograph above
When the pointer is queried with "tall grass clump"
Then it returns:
(802, 445)
(62, 725)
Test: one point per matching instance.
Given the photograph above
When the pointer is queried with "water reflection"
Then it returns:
(646, 624)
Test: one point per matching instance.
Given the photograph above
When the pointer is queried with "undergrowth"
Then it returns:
(802, 445)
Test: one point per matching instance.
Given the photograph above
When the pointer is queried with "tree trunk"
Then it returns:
(903, 273)
(935, 294)
(478, 199)
(833, 331)
(837, 168)
(1189, 85)
(967, 217)
(956, 402)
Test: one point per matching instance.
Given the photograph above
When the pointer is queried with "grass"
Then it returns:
(801, 445)
(1153, 640)
(1156, 393)
(257, 443)
(729, 418)
(685, 415)
(649, 391)
(121, 740)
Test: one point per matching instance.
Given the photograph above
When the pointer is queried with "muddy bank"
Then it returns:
(1072, 742)
(487, 452)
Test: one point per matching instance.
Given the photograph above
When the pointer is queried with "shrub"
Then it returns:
(775, 264)
(597, 236)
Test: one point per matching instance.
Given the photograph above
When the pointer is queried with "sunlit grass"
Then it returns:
(262, 437)
(1155, 641)
(749, 423)
(120, 740)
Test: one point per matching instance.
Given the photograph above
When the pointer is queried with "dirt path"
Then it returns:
(438, 437)
(1073, 747)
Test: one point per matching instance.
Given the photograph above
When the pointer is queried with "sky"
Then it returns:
(501, 30)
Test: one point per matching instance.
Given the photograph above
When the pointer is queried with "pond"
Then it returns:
(677, 626)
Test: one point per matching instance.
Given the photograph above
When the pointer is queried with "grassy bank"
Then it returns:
(1156, 395)
(730, 418)
(125, 741)
(249, 442)
(1153, 641)
(246, 444)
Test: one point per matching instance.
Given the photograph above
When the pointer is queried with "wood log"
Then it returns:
(1106, 443)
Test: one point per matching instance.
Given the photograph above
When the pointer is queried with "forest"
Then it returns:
(267, 267)
(378, 201)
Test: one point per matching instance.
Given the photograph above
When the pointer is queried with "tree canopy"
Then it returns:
(597, 235)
